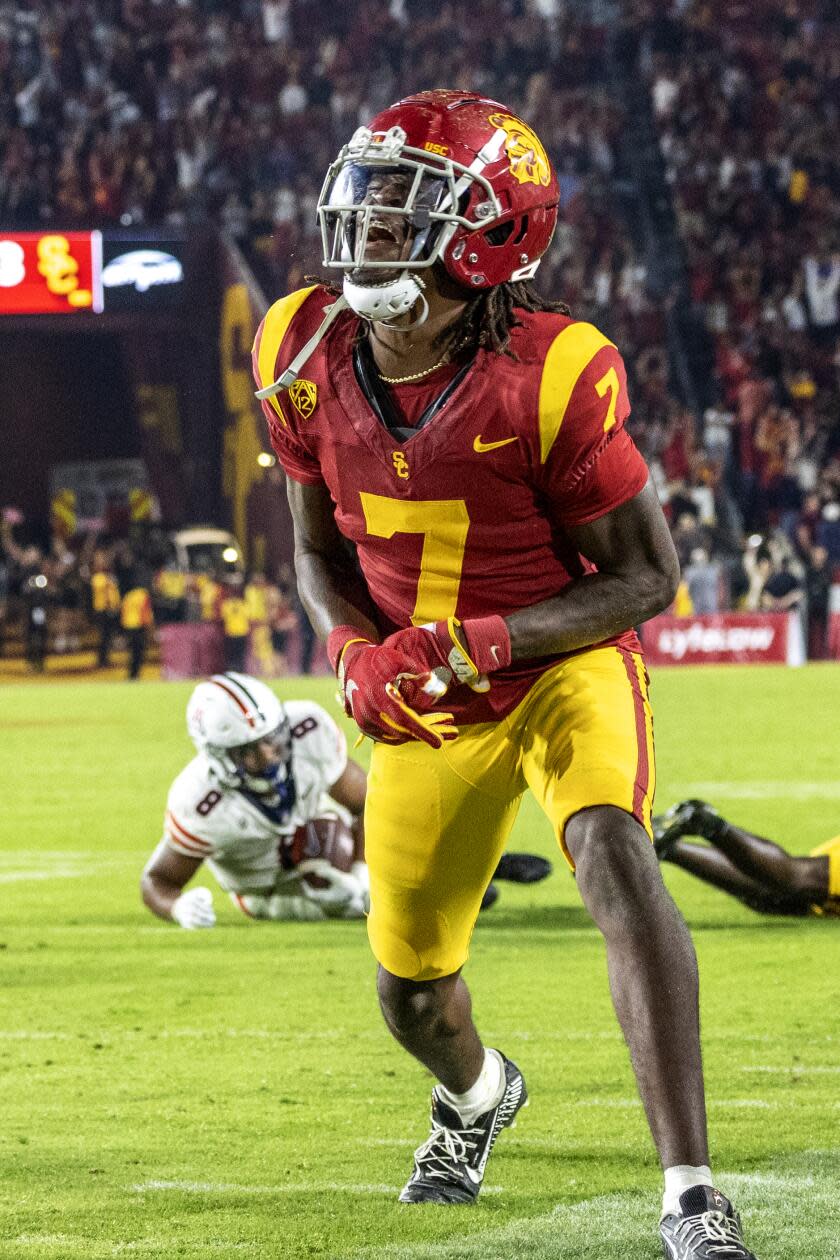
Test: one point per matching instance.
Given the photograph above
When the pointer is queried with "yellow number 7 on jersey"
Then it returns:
(609, 381)
(444, 524)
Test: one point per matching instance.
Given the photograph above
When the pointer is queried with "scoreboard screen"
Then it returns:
(50, 273)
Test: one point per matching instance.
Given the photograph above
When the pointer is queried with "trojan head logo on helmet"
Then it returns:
(440, 177)
(238, 723)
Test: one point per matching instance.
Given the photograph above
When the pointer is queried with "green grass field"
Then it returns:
(234, 1092)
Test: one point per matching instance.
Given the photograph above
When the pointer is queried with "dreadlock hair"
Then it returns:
(488, 319)
(487, 322)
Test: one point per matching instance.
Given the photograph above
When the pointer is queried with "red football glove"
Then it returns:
(445, 653)
(368, 675)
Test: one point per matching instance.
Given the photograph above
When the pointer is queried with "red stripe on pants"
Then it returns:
(642, 783)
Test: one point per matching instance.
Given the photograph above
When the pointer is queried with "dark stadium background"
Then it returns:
(697, 145)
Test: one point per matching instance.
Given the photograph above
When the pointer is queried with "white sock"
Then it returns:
(679, 1179)
(484, 1094)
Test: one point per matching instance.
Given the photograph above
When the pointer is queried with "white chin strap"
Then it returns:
(382, 304)
(385, 302)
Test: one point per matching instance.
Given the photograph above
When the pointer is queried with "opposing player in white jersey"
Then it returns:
(263, 770)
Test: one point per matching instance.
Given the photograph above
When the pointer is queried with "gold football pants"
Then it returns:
(438, 820)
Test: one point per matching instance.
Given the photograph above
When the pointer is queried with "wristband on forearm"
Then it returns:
(469, 650)
(488, 643)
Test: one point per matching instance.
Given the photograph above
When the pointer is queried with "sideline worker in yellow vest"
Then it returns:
(105, 604)
(236, 619)
(135, 620)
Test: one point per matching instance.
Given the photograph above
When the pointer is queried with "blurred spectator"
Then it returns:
(136, 620)
(105, 605)
(233, 610)
(308, 638)
(169, 594)
(209, 593)
(38, 599)
(818, 591)
(283, 623)
(258, 598)
(703, 579)
(782, 590)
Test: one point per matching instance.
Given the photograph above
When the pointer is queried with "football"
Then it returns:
(329, 838)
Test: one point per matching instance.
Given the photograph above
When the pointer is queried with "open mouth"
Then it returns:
(385, 238)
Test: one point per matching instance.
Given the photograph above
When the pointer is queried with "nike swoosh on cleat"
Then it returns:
(480, 447)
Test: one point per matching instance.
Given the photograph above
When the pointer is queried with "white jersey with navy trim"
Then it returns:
(222, 826)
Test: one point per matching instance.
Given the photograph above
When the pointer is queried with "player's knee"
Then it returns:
(801, 877)
(409, 1007)
(615, 865)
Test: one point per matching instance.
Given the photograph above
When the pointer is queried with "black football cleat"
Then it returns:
(522, 868)
(707, 1227)
(688, 818)
(449, 1166)
(491, 896)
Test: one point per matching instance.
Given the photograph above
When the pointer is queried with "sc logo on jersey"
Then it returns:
(304, 396)
(400, 464)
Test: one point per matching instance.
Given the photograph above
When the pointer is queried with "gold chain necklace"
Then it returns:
(415, 376)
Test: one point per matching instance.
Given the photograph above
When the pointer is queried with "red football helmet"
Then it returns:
(452, 177)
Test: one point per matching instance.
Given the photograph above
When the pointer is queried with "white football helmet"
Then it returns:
(227, 714)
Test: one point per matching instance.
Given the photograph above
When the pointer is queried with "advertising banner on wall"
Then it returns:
(725, 638)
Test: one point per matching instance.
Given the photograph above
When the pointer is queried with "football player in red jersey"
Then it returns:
(475, 537)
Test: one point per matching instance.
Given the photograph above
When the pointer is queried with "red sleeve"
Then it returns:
(298, 463)
(594, 466)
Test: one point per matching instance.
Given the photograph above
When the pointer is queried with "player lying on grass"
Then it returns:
(475, 527)
(757, 871)
(263, 771)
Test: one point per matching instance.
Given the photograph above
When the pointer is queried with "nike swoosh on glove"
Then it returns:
(443, 654)
(369, 679)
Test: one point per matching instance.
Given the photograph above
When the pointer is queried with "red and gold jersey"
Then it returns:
(470, 514)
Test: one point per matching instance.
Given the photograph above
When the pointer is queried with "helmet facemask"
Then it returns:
(387, 211)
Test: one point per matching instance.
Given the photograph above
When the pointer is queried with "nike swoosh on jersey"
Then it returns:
(480, 447)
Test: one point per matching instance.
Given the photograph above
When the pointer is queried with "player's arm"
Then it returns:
(638, 574)
(597, 493)
(330, 588)
(162, 889)
(350, 791)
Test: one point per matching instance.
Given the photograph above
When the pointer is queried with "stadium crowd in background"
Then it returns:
(167, 112)
(749, 129)
(86, 596)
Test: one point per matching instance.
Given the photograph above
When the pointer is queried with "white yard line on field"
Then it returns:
(767, 1181)
(758, 790)
(58, 872)
(296, 1187)
(291, 1187)
(24, 866)
(794, 1069)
